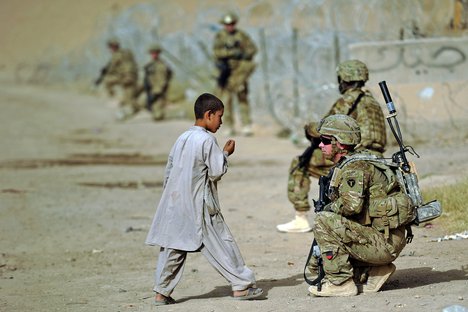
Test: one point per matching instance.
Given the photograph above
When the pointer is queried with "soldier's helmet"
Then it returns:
(155, 48)
(229, 18)
(342, 127)
(352, 70)
(113, 42)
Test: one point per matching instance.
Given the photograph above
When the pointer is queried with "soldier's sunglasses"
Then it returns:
(325, 140)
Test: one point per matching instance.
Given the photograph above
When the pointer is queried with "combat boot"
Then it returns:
(378, 275)
(346, 289)
(300, 224)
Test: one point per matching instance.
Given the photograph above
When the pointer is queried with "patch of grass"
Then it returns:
(454, 202)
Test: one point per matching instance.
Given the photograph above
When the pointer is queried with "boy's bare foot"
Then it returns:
(247, 294)
(163, 300)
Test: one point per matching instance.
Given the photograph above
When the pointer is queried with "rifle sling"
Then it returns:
(355, 104)
(321, 272)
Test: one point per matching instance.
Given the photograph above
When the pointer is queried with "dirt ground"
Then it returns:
(78, 192)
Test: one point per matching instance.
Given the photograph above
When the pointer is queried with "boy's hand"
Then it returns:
(230, 146)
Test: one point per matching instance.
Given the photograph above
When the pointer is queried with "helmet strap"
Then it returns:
(336, 150)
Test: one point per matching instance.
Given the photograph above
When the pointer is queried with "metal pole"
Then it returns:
(295, 61)
(266, 76)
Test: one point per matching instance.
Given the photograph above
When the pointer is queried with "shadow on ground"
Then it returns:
(417, 277)
(265, 284)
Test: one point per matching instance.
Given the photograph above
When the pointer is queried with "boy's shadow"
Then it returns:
(410, 278)
(406, 278)
(265, 284)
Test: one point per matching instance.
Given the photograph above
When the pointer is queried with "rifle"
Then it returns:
(224, 72)
(103, 73)
(305, 157)
(319, 205)
(148, 88)
(424, 212)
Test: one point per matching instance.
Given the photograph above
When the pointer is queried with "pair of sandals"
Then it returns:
(252, 293)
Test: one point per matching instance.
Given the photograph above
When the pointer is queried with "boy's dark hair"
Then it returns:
(207, 102)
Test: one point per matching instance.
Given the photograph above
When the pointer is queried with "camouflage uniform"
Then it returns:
(234, 52)
(122, 71)
(344, 232)
(356, 238)
(360, 105)
(156, 84)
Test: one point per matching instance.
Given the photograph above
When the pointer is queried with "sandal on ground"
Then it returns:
(165, 301)
(251, 294)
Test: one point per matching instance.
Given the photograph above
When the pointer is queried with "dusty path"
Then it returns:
(78, 191)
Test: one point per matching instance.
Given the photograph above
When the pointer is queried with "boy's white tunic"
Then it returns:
(195, 164)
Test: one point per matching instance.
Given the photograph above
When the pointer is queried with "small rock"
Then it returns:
(132, 229)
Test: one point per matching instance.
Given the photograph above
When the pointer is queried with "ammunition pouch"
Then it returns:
(391, 212)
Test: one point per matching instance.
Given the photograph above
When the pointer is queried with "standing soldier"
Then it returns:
(121, 71)
(156, 83)
(356, 102)
(234, 52)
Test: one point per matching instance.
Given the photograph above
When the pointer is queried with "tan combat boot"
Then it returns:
(346, 289)
(300, 224)
(378, 275)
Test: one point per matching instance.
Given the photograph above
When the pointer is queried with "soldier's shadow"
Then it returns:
(265, 284)
(410, 278)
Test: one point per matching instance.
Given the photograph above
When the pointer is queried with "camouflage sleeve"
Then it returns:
(114, 63)
(352, 189)
(249, 49)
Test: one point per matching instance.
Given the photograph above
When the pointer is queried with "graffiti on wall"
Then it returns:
(436, 60)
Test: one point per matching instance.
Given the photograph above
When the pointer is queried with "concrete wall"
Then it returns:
(428, 81)
(416, 60)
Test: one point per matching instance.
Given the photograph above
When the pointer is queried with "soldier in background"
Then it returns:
(356, 102)
(234, 51)
(121, 71)
(156, 83)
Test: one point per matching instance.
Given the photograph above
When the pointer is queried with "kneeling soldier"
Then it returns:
(357, 242)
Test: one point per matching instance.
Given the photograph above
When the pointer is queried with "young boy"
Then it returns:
(188, 217)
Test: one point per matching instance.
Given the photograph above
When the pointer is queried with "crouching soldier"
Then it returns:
(361, 229)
